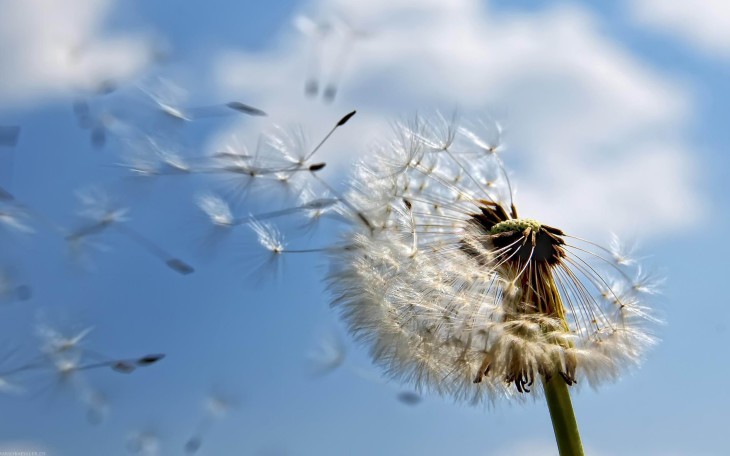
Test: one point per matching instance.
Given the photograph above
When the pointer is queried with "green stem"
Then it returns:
(563, 418)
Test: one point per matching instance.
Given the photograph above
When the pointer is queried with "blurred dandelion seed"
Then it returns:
(10, 289)
(330, 48)
(145, 443)
(105, 213)
(217, 406)
(409, 398)
(328, 355)
(167, 97)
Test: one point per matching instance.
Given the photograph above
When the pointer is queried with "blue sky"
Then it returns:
(615, 121)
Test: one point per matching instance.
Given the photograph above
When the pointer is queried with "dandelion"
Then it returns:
(453, 291)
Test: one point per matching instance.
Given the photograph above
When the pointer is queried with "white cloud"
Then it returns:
(595, 132)
(705, 24)
(49, 46)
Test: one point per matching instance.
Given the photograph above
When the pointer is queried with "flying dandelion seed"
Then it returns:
(105, 213)
(166, 97)
(14, 217)
(217, 407)
(10, 289)
(145, 443)
(331, 45)
(409, 398)
(99, 121)
(328, 355)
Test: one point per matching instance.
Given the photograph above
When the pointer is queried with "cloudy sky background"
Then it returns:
(614, 122)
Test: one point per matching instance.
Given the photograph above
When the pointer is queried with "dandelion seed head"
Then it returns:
(453, 291)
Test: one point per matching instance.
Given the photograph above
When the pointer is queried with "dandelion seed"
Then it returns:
(193, 444)
(106, 213)
(328, 355)
(10, 290)
(246, 109)
(217, 210)
(97, 406)
(316, 207)
(13, 217)
(56, 344)
(269, 237)
(145, 443)
(99, 123)
(409, 398)
(316, 32)
(130, 365)
(622, 253)
(7, 387)
(336, 37)
(217, 407)
(166, 97)
(245, 169)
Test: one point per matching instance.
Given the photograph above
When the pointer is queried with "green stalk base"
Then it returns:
(563, 418)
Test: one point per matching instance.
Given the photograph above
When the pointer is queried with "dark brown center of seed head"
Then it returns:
(519, 240)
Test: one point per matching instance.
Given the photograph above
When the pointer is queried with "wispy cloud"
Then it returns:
(595, 129)
(705, 25)
(49, 47)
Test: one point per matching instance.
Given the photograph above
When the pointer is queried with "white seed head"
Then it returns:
(452, 291)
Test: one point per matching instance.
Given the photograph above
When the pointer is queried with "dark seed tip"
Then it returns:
(179, 266)
(193, 445)
(246, 109)
(347, 117)
(150, 359)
